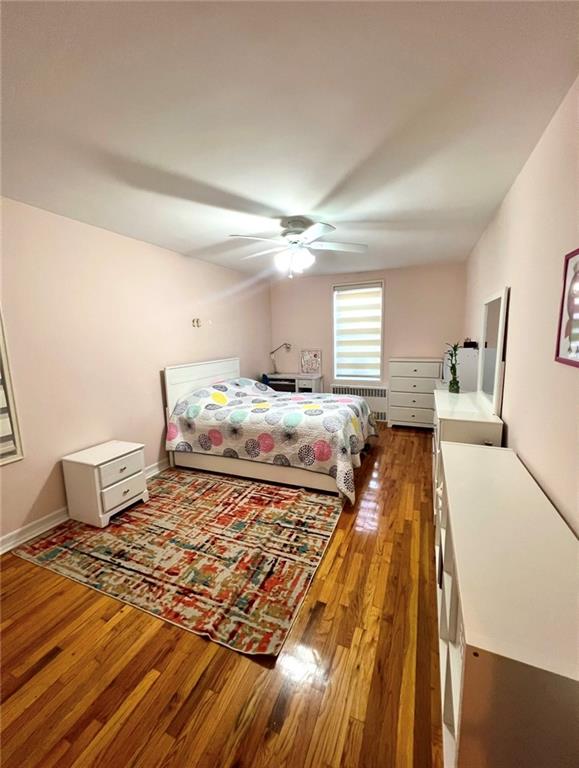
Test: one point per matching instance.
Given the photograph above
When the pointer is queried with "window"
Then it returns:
(358, 331)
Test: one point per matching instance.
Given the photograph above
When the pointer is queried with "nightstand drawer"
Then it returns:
(411, 415)
(122, 468)
(123, 491)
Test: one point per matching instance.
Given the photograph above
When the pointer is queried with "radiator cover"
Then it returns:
(376, 397)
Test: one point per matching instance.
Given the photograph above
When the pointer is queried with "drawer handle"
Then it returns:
(128, 490)
(414, 401)
(415, 370)
(122, 469)
(412, 415)
(414, 386)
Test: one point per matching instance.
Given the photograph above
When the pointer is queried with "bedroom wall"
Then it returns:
(91, 317)
(423, 309)
(523, 247)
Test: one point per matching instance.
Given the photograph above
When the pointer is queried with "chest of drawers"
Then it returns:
(412, 381)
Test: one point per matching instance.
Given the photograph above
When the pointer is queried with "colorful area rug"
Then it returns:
(224, 557)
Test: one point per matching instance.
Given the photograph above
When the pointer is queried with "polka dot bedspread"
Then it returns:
(245, 419)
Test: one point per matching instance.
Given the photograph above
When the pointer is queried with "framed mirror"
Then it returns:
(10, 442)
(492, 350)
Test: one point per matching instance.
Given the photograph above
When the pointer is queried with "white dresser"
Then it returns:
(506, 565)
(103, 480)
(462, 418)
(411, 385)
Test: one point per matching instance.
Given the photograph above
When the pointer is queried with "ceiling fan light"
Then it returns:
(294, 260)
(283, 261)
(302, 259)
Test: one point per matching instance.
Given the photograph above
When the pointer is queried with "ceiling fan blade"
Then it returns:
(349, 247)
(315, 231)
(254, 237)
(264, 253)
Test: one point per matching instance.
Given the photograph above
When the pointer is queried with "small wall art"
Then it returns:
(567, 350)
(311, 361)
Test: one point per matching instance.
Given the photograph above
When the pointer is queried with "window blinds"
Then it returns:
(358, 331)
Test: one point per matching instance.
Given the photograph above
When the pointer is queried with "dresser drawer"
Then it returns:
(411, 415)
(415, 368)
(123, 491)
(121, 468)
(398, 384)
(412, 400)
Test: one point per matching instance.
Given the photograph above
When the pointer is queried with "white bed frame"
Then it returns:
(181, 379)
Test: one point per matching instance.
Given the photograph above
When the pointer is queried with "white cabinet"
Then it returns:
(103, 480)
(506, 565)
(412, 381)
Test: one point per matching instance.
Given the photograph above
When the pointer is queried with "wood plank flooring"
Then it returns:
(89, 681)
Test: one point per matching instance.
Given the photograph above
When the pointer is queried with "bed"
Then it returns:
(219, 421)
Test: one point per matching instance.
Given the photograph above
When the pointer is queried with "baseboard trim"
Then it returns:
(30, 530)
(43, 524)
(156, 468)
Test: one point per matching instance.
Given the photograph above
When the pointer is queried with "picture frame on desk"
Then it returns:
(311, 361)
(567, 350)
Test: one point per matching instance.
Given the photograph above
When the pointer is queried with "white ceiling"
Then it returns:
(403, 124)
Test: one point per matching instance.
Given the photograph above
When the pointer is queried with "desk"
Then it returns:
(295, 382)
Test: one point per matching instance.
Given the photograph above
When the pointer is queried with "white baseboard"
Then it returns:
(154, 469)
(43, 524)
(30, 530)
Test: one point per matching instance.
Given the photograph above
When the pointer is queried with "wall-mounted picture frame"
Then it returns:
(567, 350)
(10, 441)
(311, 360)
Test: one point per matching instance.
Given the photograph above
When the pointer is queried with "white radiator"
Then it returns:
(376, 397)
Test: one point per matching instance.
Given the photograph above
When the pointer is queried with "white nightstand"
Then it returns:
(102, 480)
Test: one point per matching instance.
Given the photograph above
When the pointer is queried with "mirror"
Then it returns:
(492, 358)
(489, 343)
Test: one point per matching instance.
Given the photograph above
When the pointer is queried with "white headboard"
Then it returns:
(181, 379)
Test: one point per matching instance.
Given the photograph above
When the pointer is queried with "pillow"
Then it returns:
(251, 386)
(224, 392)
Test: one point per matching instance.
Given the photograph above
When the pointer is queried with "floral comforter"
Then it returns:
(244, 419)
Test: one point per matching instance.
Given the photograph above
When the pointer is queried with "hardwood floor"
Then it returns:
(89, 681)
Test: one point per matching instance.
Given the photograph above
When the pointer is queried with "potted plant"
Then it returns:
(453, 384)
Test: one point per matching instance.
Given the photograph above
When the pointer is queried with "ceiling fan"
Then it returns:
(299, 237)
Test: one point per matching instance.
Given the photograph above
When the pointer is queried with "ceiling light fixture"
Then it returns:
(294, 260)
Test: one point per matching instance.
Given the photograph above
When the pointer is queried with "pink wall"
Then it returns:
(91, 318)
(523, 248)
(423, 308)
